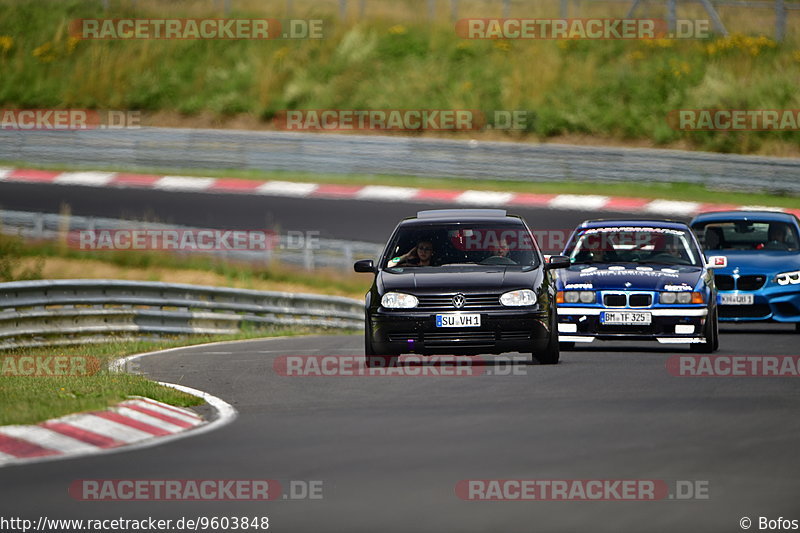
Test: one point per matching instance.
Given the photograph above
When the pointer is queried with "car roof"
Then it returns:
(632, 222)
(756, 216)
(438, 216)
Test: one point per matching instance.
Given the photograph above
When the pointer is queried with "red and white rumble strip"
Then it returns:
(379, 193)
(133, 421)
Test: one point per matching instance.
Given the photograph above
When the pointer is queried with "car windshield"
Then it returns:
(633, 245)
(748, 236)
(463, 244)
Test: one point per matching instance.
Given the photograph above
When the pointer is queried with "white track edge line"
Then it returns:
(226, 414)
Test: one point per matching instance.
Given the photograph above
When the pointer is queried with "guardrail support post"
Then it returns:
(348, 258)
(780, 20)
(308, 257)
(672, 15)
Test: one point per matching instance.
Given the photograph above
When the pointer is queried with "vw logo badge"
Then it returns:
(459, 300)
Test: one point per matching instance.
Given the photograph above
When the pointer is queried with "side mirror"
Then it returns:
(365, 265)
(557, 261)
(717, 261)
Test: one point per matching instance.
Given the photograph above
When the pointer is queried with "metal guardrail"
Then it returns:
(310, 254)
(81, 311)
(162, 148)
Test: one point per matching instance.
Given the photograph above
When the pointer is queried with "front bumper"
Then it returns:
(582, 324)
(508, 330)
(773, 303)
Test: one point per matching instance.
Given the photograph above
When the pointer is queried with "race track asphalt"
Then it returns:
(390, 450)
(359, 220)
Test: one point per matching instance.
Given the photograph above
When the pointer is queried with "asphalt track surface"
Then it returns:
(361, 220)
(390, 450)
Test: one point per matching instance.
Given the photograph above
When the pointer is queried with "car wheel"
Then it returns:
(550, 355)
(711, 335)
(797, 327)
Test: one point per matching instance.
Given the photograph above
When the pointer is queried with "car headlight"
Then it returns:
(684, 297)
(687, 297)
(571, 297)
(584, 297)
(668, 298)
(587, 297)
(398, 300)
(786, 278)
(518, 298)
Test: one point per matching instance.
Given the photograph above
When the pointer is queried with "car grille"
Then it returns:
(615, 328)
(444, 302)
(744, 311)
(615, 300)
(744, 283)
(723, 282)
(750, 283)
(640, 300)
(461, 338)
(624, 300)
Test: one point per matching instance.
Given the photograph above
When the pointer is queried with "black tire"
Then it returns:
(551, 354)
(711, 335)
(797, 327)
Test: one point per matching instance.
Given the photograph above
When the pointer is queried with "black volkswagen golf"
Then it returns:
(464, 282)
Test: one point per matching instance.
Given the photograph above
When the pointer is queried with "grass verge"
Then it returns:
(30, 399)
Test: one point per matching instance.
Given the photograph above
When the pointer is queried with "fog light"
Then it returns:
(682, 329)
(567, 328)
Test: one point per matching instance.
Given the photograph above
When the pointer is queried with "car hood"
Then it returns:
(757, 262)
(458, 279)
(610, 276)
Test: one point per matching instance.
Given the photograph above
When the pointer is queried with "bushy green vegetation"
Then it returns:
(612, 89)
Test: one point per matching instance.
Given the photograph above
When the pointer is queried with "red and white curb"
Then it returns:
(134, 423)
(380, 193)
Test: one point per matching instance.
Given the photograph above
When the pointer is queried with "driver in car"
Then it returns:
(419, 255)
(778, 238)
